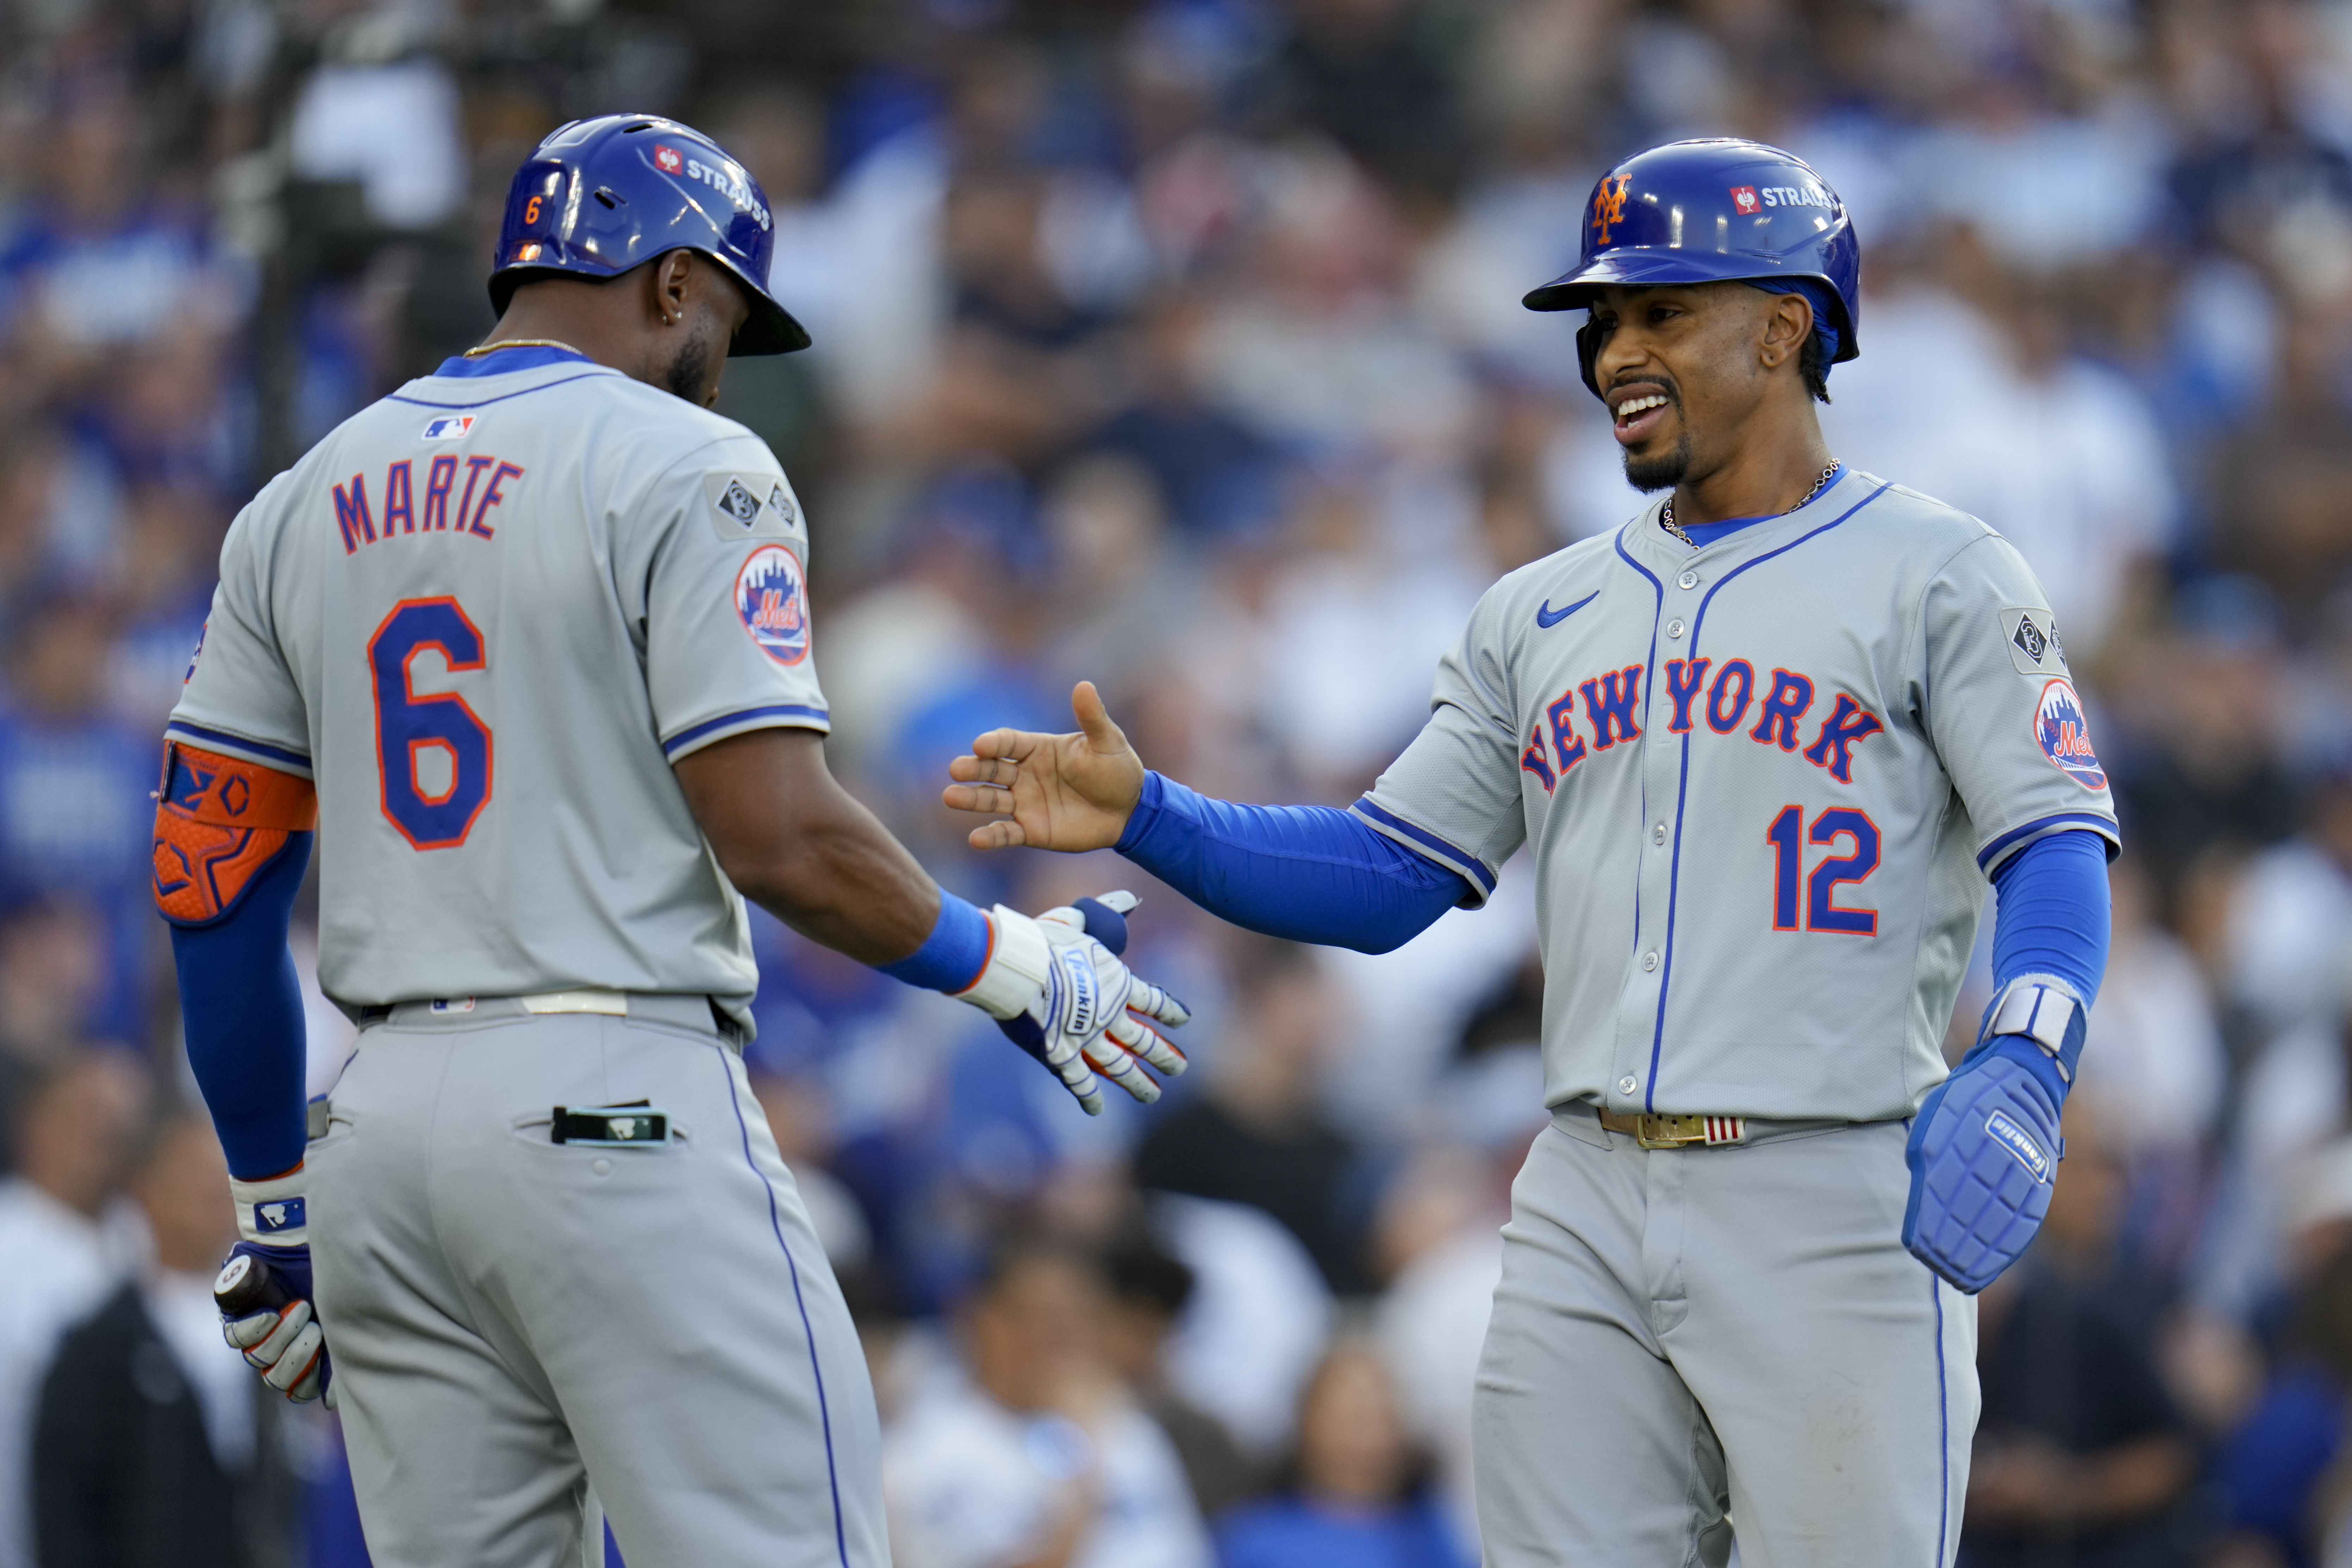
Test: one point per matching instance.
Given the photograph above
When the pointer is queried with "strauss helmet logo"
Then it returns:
(1609, 205)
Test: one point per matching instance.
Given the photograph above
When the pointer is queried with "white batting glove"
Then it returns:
(1062, 994)
(264, 1290)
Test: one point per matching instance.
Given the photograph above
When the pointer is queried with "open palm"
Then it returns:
(1068, 791)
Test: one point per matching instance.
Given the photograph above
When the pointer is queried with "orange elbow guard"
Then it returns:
(219, 821)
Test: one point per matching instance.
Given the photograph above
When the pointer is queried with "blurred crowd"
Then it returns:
(1176, 344)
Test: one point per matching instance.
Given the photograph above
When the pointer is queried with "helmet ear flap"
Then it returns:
(1589, 339)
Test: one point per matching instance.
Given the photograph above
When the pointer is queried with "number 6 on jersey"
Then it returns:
(408, 726)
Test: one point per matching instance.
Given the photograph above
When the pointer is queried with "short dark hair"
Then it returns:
(1142, 1272)
(1810, 366)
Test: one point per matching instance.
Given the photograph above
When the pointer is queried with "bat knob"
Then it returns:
(246, 1286)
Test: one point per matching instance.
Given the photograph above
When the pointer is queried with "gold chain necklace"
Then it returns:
(519, 343)
(1666, 517)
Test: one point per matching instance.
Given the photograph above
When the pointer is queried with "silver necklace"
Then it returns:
(1666, 517)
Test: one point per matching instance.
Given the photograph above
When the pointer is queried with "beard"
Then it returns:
(688, 373)
(1662, 471)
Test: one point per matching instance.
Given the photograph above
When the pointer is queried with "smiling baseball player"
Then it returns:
(526, 646)
(1766, 744)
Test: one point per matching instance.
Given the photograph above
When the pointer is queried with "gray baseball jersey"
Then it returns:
(1764, 781)
(486, 615)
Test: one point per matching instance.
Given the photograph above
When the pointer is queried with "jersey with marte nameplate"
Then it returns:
(486, 615)
(1763, 783)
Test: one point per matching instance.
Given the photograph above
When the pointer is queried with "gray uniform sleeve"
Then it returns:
(726, 601)
(2002, 708)
(241, 698)
(1454, 795)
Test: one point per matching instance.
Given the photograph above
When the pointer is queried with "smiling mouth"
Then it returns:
(1636, 418)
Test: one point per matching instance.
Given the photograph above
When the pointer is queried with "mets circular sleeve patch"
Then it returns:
(773, 601)
(2065, 735)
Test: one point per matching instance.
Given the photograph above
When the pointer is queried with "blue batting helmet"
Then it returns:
(599, 196)
(1718, 210)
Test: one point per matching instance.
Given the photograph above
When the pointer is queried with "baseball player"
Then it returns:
(525, 645)
(1766, 744)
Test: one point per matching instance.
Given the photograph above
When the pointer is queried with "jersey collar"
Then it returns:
(506, 362)
(1653, 544)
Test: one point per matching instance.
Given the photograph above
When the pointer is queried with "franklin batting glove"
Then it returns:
(264, 1290)
(1057, 989)
(1985, 1148)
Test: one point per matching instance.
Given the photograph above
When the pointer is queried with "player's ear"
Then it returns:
(671, 276)
(1788, 323)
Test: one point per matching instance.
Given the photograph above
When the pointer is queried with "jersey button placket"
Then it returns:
(1662, 763)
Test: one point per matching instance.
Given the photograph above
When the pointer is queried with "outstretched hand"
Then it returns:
(1069, 792)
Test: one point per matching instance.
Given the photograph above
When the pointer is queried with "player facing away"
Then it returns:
(1766, 743)
(526, 646)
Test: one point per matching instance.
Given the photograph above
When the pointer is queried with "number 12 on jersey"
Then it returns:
(1818, 905)
(408, 726)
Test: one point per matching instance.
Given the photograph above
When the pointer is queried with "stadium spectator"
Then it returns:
(151, 1443)
(67, 1239)
(1356, 1499)
(2080, 1455)
(1255, 1134)
(1037, 1456)
(1149, 1291)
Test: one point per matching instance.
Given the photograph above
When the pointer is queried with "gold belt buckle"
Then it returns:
(1652, 1130)
(1659, 1132)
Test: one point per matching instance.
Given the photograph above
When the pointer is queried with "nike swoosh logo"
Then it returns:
(1548, 616)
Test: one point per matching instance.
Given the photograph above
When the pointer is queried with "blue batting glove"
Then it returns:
(1985, 1147)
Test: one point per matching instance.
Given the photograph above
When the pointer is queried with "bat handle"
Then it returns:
(246, 1285)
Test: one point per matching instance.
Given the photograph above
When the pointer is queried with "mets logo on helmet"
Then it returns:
(1608, 204)
(773, 604)
(2065, 737)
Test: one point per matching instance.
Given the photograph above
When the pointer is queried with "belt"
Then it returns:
(693, 1012)
(1654, 1132)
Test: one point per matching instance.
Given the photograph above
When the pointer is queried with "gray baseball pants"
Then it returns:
(1692, 1341)
(511, 1319)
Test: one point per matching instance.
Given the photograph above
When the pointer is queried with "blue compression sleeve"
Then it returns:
(1310, 873)
(953, 956)
(242, 1009)
(2053, 912)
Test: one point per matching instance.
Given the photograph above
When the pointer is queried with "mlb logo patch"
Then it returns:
(773, 603)
(2065, 735)
(448, 428)
(452, 1004)
(1746, 200)
(669, 160)
(272, 1219)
